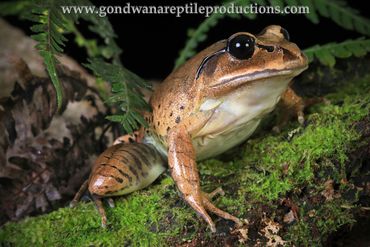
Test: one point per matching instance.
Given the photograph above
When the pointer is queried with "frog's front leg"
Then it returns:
(292, 105)
(181, 159)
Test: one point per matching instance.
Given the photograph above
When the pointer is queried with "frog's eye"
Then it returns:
(241, 46)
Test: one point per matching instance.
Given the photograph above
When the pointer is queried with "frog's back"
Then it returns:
(178, 96)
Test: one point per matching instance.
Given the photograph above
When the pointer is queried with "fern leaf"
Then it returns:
(337, 10)
(311, 15)
(326, 54)
(102, 27)
(15, 8)
(49, 28)
(340, 13)
(126, 93)
(50, 63)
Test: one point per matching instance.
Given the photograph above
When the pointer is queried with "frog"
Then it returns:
(213, 102)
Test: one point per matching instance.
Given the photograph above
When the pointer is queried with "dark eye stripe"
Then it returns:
(205, 60)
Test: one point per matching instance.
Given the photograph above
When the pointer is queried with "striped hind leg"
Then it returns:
(79, 194)
(99, 205)
(122, 169)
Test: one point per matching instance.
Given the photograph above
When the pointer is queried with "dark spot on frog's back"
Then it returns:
(178, 119)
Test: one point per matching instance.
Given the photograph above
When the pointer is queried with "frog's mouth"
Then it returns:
(260, 75)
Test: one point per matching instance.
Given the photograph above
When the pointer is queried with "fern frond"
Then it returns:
(96, 24)
(326, 54)
(340, 13)
(49, 33)
(102, 27)
(126, 93)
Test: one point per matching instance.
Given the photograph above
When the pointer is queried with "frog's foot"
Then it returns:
(79, 194)
(99, 205)
(184, 171)
(110, 202)
(292, 105)
(135, 136)
(206, 197)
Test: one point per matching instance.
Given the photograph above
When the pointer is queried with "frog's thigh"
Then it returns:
(124, 169)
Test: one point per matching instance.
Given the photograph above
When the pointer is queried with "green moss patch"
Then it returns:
(300, 164)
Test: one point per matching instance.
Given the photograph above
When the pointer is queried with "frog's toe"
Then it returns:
(73, 204)
(300, 115)
(104, 222)
(216, 192)
(212, 208)
(110, 202)
(79, 194)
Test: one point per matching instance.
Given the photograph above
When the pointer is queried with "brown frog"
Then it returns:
(211, 103)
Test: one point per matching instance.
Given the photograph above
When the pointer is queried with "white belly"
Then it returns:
(236, 116)
(212, 145)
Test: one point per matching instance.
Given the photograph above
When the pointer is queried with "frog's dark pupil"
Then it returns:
(241, 46)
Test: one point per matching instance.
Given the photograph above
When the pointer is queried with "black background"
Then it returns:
(151, 43)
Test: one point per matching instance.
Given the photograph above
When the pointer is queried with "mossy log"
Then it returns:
(296, 187)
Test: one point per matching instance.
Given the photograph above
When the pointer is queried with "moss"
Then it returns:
(316, 224)
(137, 220)
(293, 164)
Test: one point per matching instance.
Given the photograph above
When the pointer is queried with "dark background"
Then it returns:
(151, 43)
